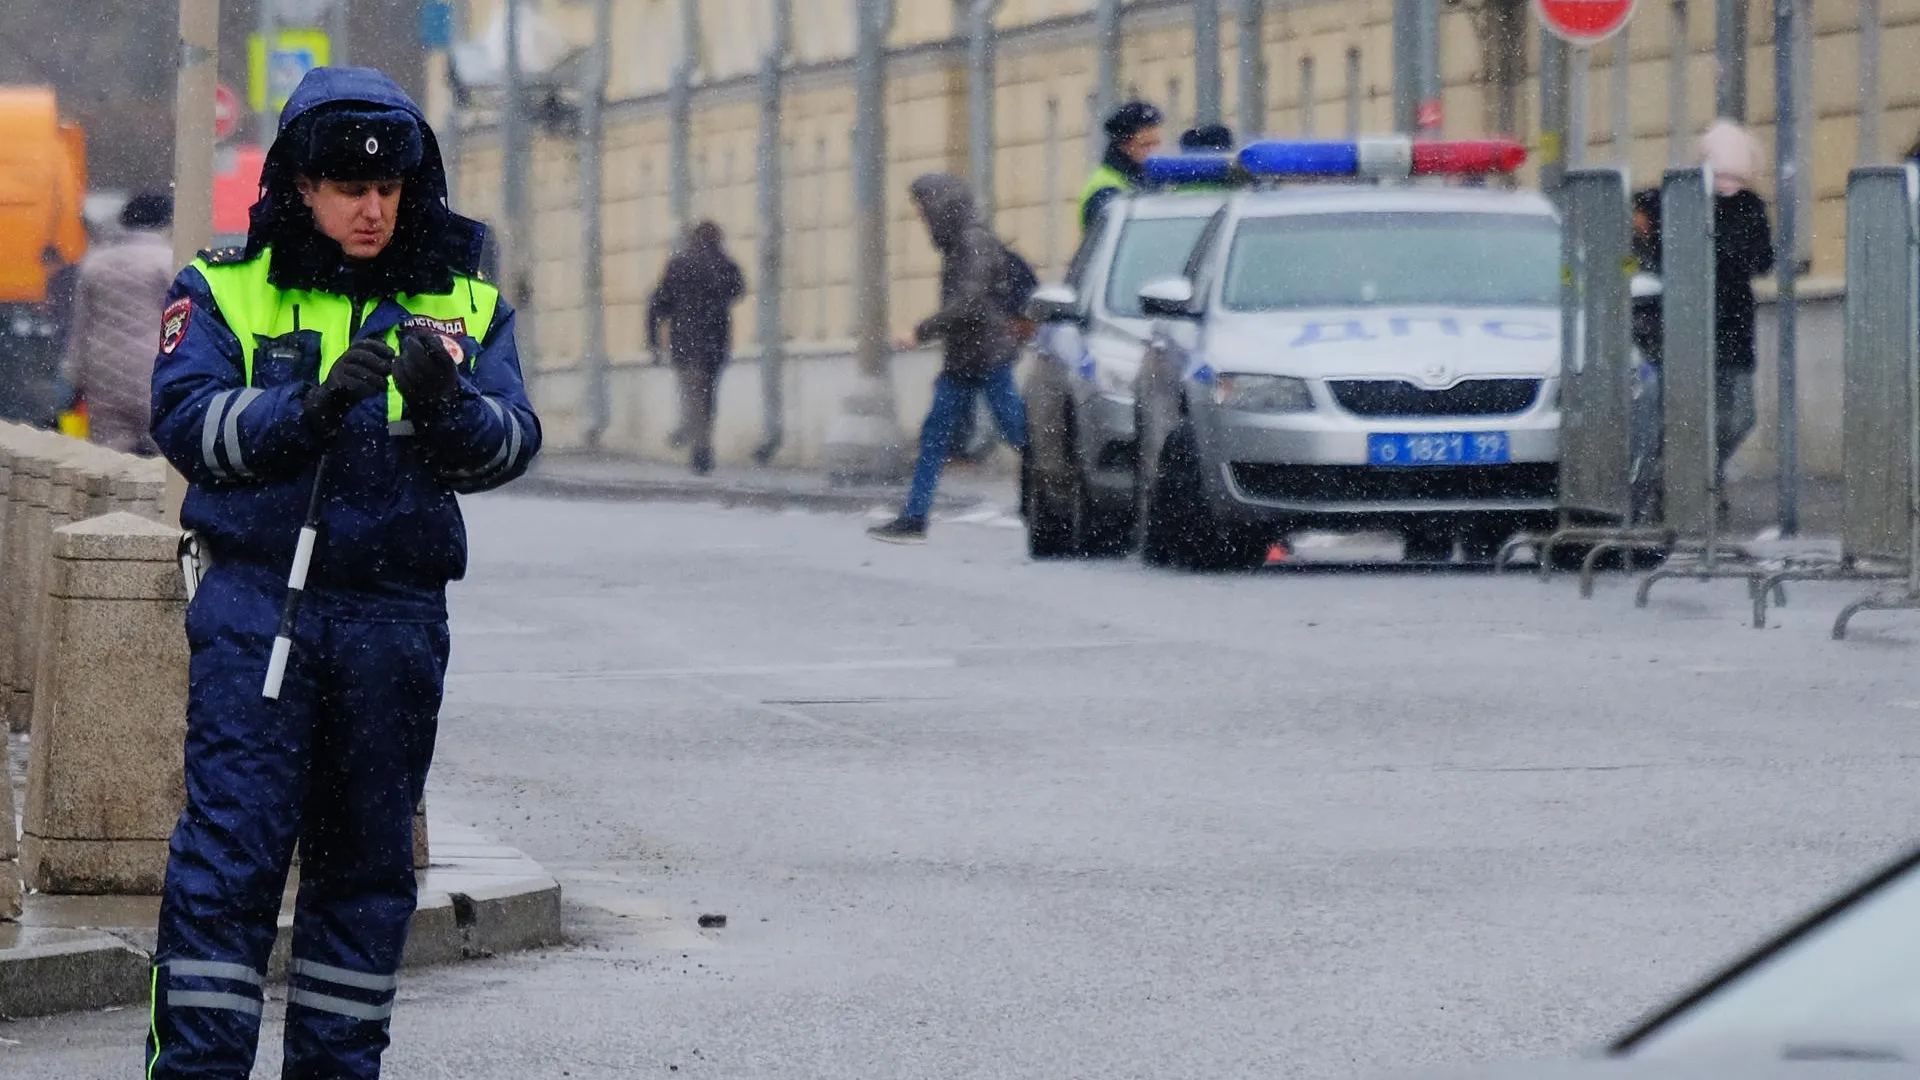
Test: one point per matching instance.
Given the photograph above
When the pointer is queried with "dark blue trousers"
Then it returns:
(337, 766)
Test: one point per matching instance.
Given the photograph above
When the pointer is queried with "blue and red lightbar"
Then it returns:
(1389, 157)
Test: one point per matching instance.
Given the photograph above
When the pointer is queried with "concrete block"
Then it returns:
(44, 971)
(104, 783)
(511, 916)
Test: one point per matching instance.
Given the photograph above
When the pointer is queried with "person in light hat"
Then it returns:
(1743, 250)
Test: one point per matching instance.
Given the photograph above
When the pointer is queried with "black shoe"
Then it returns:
(677, 440)
(702, 464)
(901, 530)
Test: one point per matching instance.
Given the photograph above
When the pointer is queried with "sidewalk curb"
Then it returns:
(732, 496)
(56, 970)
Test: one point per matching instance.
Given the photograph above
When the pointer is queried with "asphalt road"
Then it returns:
(971, 816)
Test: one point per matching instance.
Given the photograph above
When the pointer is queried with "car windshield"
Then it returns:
(1396, 259)
(1855, 968)
(1150, 248)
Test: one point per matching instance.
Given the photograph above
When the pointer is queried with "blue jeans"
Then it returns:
(951, 398)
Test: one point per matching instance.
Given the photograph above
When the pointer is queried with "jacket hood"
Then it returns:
(947, 204)
(431, 242)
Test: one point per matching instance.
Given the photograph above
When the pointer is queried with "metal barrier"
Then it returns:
(1596, 380)
(1881, 407)
(1690, 454)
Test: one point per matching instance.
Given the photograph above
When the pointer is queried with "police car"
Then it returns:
(1079, 491)
(1353, 357)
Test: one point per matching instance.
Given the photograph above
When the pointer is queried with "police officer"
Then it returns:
(1133, 136)
(349, 355)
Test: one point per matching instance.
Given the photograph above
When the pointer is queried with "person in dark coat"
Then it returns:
(1743, 250)
(981, 344)
(696, 297)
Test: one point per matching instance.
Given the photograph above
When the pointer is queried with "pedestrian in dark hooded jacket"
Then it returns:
(696, 297)
(1743, 250)
(977, 334)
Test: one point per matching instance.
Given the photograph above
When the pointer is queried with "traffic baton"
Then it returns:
(296, 586)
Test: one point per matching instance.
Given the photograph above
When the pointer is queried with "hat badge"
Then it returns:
(373, 145)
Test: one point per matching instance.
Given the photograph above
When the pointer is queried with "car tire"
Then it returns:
(1050, 531)
(1181, 529)
(1481, 544)
(1098, 533)
(1428, 547)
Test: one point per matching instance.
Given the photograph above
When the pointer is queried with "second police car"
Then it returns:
(1348, 357)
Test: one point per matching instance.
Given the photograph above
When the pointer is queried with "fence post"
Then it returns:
(771, 193)
(1252, 16)
(593, 270)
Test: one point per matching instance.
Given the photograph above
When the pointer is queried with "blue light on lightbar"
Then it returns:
(1301, 159)
(1190, 169)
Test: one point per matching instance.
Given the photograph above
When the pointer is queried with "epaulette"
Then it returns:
(226, 256)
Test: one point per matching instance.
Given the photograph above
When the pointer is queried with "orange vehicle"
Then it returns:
(43, 233)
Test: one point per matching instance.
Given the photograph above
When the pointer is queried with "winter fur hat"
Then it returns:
(1733, 154)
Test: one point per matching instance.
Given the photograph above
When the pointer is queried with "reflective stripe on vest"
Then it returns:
(1104, 177)
(255, 310)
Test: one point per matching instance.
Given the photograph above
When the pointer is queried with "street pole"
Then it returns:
(1679, 111)
(1553, 111)
(1619, 90)
(593, 270)
(1252, 19)
(453, 140)
(680, 121)
(1579, 67)
(340, 33)
(515, 264)
(772, 200)
(1106, 43)
(1427, 116)
(269, 32)
(864, 445)
(195, 84)
(1406, 66)
(1730, 59)
(1787, 187)
(980, 101)
(1872, 101)
(1206, 62)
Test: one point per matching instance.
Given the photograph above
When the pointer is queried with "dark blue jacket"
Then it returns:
(391, 533)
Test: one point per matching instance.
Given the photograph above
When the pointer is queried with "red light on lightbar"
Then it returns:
(1467, 158)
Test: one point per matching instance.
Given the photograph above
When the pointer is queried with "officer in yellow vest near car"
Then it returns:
(1133, 136)
(327, 390)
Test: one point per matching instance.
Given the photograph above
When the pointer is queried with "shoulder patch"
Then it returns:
(226, 256)
(173, 324)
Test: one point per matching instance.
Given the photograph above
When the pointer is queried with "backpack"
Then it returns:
(1015, 285)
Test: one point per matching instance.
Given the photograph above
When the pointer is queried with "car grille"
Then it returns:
(1366, 483)
(1396, 397)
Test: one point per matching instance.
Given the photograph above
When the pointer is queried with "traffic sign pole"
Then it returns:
(269, 37)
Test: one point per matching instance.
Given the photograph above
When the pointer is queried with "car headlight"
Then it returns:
(1113, 380)
(1262, 393)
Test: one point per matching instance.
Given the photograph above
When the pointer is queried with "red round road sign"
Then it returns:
(226, 112)
(1584, 22)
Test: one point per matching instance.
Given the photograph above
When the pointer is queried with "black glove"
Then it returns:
(360, 373)
(426, 373)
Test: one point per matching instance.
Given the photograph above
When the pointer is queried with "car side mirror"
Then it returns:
(1168, 298)
(1054, 303)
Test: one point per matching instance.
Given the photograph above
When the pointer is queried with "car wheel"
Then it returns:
(1181, 529)
(1098, 532)
(1428, 546)
(1481, 544)
(1049, 524)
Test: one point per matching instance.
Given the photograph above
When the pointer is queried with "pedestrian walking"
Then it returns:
(1133, 136)
(121, 288)
(346, 366)
(695, 299)
(1743, 250)
(978, 335)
